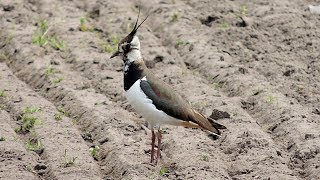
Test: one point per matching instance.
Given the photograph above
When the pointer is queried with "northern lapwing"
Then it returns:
(152, 98)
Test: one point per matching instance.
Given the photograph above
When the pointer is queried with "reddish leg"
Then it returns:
(159, 145)
(153, 138)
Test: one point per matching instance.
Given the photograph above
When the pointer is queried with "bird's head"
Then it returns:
(130, 42)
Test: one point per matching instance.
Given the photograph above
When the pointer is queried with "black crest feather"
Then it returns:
(136, 27)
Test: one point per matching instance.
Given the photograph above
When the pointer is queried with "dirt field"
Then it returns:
(253, 65)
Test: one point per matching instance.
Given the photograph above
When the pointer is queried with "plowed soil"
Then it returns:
(252, 65)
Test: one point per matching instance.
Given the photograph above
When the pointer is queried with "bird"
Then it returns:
(153, 99)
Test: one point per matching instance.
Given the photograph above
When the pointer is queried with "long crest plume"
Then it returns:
(136, 26)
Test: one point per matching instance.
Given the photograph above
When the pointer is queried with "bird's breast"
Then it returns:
(144, 106)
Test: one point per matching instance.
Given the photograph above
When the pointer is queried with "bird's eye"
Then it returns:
(125, 47)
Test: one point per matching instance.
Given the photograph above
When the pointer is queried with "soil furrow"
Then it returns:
(17, 162)
(111, 125)
(118, 159)
(253, 64)
(290, 130)
(58, 142)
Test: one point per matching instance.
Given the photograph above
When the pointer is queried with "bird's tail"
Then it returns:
(216, 125)
(208, 123)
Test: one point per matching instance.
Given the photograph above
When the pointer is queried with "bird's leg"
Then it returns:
(159, 145)
(153, 138)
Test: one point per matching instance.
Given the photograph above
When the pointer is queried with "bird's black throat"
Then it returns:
(132, 73)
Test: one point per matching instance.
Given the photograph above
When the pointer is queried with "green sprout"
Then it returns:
(39, 37)
(49, 71)
(56, 80)
(94, 151)
(34, 145)
(68, 161)
(32, 109)
(163, 171)
(270, 99)
(174, 17)
(83, 25)
(2, 138)
(223, 25)
(218, 85)
(243, 10)
(62, 110)
(205, 158)
(57, 44)
(2, 94)
(164, 130)
(181, 42)
(58, 116)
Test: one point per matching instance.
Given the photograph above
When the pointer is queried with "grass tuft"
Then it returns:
(41, 37)
(28, 120)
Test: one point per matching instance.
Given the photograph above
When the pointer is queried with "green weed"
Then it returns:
(2, 138)
(68, 161)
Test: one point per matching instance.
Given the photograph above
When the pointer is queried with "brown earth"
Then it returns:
(255, 61)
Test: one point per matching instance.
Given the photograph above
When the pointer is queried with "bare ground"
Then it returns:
(254, 60)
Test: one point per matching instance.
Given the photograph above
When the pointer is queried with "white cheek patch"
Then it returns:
(126, 68)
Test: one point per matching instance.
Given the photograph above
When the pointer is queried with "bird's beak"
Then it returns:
(117, 53)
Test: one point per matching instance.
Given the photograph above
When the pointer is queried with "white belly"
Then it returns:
(143, 106)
